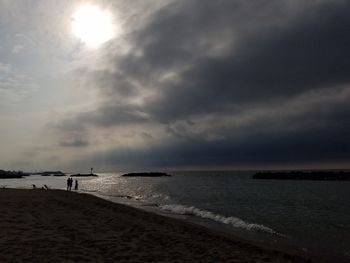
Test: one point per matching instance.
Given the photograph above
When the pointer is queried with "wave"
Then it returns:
(234, 221)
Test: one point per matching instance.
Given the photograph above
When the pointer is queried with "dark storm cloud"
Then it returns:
(221, 61)
(273, 63)
(113, 83)
(273, 60)
(316, 134)
(291, 148)
(106, 115)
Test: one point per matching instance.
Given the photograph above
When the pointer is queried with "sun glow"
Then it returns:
(93, 26)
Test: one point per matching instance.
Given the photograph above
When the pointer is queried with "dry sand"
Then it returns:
(60, 226)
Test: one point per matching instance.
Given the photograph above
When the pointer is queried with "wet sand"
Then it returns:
(60, 226)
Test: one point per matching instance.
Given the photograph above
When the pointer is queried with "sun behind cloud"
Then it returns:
(93, 26)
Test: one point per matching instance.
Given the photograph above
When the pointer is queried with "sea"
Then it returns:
(311, 218)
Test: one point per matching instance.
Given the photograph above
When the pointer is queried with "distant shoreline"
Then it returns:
(304, 175)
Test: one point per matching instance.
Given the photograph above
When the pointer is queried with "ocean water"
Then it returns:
(312, 217)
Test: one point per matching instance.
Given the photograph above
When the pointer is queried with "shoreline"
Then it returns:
(275, 242)
(80, 227)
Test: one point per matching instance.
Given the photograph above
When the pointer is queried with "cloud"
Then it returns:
(17, 48)
(227, 83)
(14, 86)
(310, 129)
(273, 63)
(5, 68)
(77, 142)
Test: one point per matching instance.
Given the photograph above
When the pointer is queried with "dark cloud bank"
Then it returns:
(231, 83)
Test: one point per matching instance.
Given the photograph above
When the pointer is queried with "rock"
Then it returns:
(83, 175)
(146, 174)
(304, 175)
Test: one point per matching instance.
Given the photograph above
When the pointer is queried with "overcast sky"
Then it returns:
(181, 84)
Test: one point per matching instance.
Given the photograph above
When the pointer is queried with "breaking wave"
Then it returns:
(234, 221)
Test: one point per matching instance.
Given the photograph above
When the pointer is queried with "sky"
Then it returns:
(174, 84)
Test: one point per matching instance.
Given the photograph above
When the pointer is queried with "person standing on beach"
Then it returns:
(76, 185)
(69, 183)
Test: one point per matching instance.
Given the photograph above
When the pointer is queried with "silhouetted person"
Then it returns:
(91, 170)
(76, 185)
(34, 186)
(69, 183)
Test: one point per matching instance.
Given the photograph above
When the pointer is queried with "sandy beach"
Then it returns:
(60, 226)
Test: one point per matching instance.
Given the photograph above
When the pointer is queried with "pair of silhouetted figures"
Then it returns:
(70, 184)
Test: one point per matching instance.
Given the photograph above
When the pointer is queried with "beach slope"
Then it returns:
(60, 226)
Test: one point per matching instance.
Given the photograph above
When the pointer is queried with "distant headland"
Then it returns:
(304, 175)
(19, 174)
(144, 174)
(12, 174)
(50, 173)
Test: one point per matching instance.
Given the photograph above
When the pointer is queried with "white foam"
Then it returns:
(234, 221)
